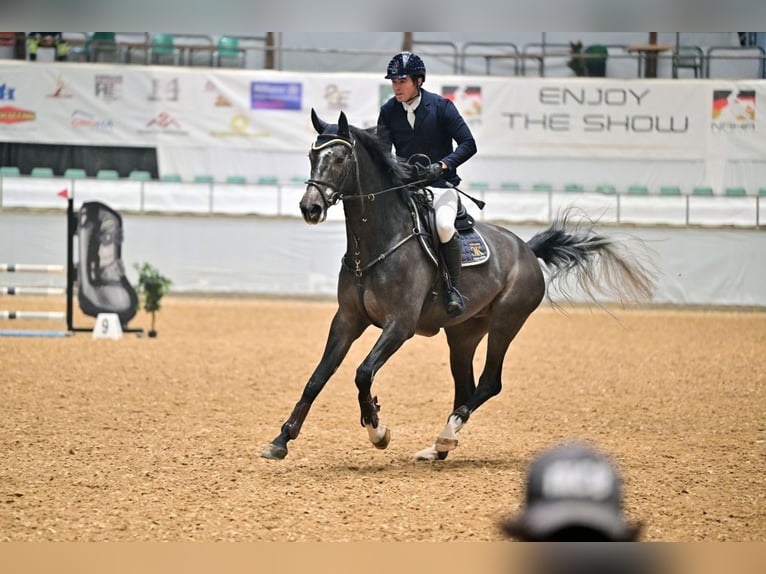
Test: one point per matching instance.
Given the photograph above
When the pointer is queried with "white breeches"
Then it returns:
(445, 205)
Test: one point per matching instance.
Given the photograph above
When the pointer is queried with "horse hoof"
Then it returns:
(383, 442)
(427, 454)
(441, 455)
(445, 444)
(274, 452)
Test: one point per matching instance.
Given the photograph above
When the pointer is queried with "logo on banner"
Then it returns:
(220, 99)
(467, 100)
(164, 90)
(733, 111)
(239, 125)
(163, 123)
(336, 98)
(108, 87)
(60, 91)
(85, 120)
(12, 115)
(7, 92)
(276, 95)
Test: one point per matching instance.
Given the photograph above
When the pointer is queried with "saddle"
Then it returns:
(475, 250)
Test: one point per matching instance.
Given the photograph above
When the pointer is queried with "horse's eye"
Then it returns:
(339, 160)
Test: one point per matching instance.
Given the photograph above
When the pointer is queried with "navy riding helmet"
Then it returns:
(406, 64)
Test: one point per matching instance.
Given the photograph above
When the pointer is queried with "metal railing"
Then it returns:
(498, 58)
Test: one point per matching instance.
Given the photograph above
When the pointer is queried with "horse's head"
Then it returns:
(332, 161)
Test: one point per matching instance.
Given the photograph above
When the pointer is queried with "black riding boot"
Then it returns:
(452, 252)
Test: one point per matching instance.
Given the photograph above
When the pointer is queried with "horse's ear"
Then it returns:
(343, 126)
(318, 124)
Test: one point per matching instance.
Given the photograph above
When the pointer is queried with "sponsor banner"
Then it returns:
(639, 119)
(263, 110)
(574, 118)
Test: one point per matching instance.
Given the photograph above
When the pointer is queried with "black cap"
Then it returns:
(572, 487)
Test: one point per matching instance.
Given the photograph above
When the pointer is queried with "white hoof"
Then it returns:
(379, 437)
(447, 439)
(429, 453)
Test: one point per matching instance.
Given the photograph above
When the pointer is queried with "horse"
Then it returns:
(389, 279)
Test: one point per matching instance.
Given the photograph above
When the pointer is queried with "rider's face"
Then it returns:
(404, 89)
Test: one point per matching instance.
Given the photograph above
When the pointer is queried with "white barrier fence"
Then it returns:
(284, 256)
(281, 200)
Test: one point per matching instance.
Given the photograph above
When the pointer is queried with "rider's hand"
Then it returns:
(433, 172)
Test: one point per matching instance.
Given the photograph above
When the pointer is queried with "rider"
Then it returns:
(419, 122)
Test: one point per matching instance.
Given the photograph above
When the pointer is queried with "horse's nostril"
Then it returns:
(312, 212)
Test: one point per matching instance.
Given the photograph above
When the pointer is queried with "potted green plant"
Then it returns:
(151, 287)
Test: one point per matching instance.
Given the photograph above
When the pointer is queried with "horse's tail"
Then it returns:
(599, 264)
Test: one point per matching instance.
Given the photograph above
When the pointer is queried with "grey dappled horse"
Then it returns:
(387, 279)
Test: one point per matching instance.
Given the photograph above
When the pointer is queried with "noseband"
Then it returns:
(320, 185)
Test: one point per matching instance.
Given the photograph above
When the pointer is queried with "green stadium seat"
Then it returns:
(702, 190)
(229, 53)
(173, 177)
(478, 185)
(762, 191)
(238, 179)
(510, 186)
(574, 187)
(606, 189)
(735, 191)
(542, 187)
(75, 173)
(140, 175)
(267, 180)
(42, 172)
(203, 178)
(670, 190)
(163, 51)
(638, 190)
(9, 171)
(298, 179)
(107, 174)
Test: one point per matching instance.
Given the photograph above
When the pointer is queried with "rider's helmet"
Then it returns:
(406, 64)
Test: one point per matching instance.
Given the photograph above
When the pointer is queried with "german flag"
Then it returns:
(745, 100)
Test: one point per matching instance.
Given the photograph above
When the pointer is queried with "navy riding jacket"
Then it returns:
(437, 124)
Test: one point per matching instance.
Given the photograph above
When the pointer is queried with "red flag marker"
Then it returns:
(63, 193)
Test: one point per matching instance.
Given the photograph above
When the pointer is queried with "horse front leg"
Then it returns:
(344, 330)
(391, 339)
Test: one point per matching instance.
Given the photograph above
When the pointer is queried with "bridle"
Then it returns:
(321, 186)
(325, 141)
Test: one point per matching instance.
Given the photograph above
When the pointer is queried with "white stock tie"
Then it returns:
(411, 116)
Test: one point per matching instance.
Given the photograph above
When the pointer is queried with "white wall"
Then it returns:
(289, 257)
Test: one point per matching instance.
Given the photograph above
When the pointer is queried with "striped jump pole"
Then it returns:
(31, 268)
(23, 291)
(68, 270)
(33, 315)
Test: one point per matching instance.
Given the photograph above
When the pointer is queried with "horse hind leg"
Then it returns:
(463, 339)
(501, 333)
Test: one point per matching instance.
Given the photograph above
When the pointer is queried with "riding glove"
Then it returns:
(433, 172)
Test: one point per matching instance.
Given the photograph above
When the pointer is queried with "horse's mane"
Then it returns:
(381, 155)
